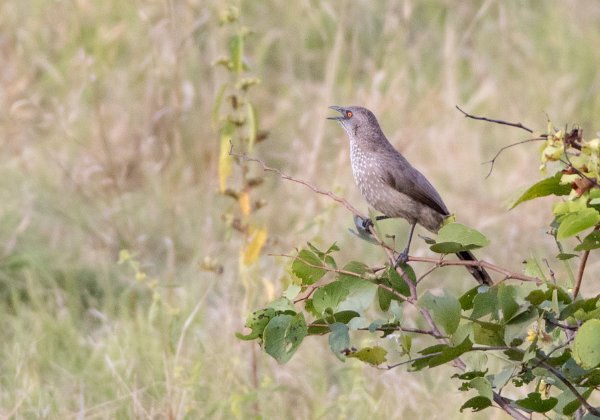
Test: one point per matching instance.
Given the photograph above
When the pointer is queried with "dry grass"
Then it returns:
(107, 145)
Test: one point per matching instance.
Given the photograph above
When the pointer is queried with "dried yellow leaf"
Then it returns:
(224, 158)
(258, 237)
(244, 200)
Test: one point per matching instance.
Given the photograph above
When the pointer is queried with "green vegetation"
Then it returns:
(128, 263)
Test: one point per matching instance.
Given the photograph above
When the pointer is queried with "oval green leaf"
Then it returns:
(586, 346)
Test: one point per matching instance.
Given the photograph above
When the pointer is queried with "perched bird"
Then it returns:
(390, 184)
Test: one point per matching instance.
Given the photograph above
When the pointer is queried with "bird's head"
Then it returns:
(356, 120)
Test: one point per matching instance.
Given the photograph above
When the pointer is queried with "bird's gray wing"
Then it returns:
(409, 181)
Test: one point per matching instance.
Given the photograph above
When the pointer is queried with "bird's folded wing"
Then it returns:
(415, 185)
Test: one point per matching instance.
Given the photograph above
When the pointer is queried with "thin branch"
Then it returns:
(581, 269)
(405, 329)
(517, 125)
(282, 175)
(492, 162)
(572, 388)
(395, 365)
(580, 272)
(345, 272)
(482, 264)
(550, 270)
(562, 326)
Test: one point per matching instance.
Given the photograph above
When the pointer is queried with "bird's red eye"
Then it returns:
(348, 114)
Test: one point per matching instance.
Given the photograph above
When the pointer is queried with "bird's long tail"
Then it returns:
(479, 273)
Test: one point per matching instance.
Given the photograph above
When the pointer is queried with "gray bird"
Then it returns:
(390, 184)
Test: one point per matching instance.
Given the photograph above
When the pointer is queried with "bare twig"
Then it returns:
(580, 272)
(492, 161)
(581, 269)
(345, 272)
(317, 190)
(517, 125)
(550, 270)
(405, 329)
(562, 326)
(482, 264)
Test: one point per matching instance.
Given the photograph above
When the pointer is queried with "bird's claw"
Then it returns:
(402, 258)
(363, 224)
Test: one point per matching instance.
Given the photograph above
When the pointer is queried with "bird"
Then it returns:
(391, 185)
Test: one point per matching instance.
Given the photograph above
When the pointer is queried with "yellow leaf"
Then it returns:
(258, 237)
(224, 158)
(244, 200)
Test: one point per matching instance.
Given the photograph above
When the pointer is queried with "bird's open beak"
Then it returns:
(338, 109)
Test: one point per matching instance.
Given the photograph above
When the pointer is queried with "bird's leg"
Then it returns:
(403, 257)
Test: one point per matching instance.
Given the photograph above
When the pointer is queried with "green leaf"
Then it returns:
(257, 321)
(467, 376)
(477, 403)
(321, 326)
(571, 407)
(592, 241)
(322, 254)
(586, 346)
(574, 223)
(217, 106)
(329, 296)
(339, 339)
(252, 125)
(385, 297)
(534, 402)
(292, 291)
(397, 282)
(466, 300)
(361, 292)
(543, 188)
(353, 267)
(483, 386)
(536, 297)
(501, 378)
(371, 355)
(485, 303)
(532, 268)
(454, 237)
(517, 327)
(563, 256)
(406, 343)
(444, 309)
(449, 353)
(283, 336)
(282, 304)
(506, 300)
(488, 334)
(236, 52)
(305, 266)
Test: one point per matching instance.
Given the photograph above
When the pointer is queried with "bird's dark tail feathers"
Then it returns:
(479, 273)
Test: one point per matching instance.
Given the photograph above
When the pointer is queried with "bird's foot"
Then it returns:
(402, 258)
(367, 224)
(363, 224)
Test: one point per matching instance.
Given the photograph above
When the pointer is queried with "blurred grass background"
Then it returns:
(107, 144)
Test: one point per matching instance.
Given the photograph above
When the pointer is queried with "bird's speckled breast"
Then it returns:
(369, 177)
(371, 184)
